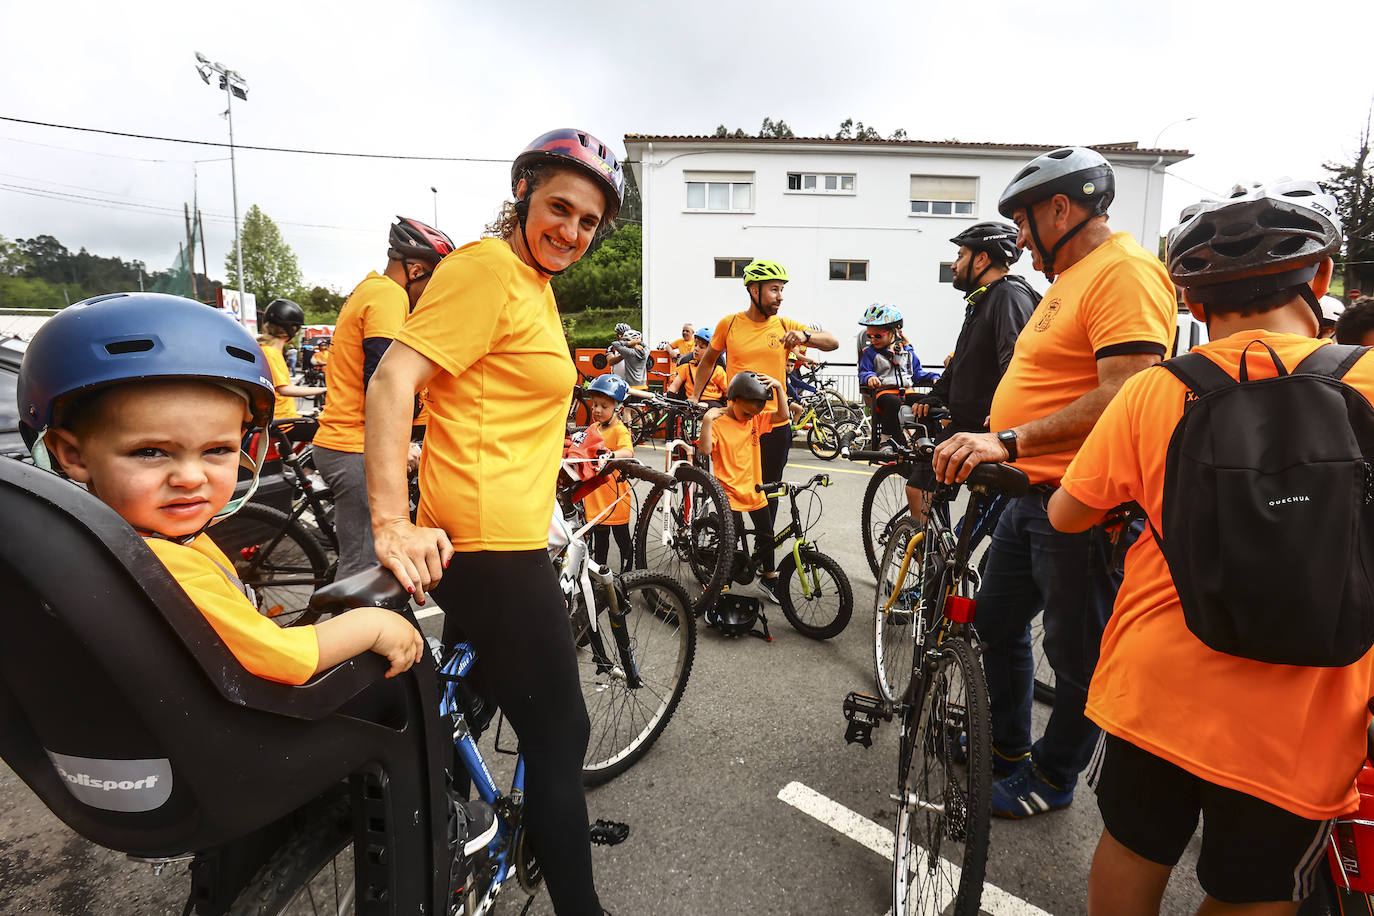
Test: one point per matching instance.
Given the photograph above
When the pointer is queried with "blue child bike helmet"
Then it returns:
(125, 337)
(882, 315)
(612, 386)
(703, 335)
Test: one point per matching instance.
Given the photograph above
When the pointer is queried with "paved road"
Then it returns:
(709, 831)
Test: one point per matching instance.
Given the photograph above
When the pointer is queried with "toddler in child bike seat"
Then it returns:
(604, 397)
(152, 427)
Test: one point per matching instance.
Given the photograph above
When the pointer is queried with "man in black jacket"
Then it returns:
(998, 305)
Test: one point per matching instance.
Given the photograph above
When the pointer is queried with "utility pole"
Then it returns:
(233, 84)
(190, 252)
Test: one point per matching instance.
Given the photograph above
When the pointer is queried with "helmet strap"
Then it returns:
(1313, 302)
(522, 209)
(406, 262)
(1049, 256)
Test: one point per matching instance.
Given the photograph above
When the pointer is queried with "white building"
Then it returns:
(853, 222)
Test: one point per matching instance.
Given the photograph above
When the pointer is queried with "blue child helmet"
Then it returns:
(703, 335)
(881, 315)
(129, 336)
(612, 386)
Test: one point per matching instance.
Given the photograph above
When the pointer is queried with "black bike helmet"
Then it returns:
(746, 385)
(1078, 173)
(1260, 240)
(993, 237)
(412, 240)
(284, 314)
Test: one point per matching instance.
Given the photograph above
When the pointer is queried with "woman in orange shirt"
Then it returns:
(487, 340)
(280, 322)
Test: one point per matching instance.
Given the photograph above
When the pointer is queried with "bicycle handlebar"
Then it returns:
(1006, 479)
(632, 468)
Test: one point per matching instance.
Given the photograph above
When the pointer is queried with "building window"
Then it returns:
(943, 195)
(946, 271)
(809, 183)
(849, 270)
(731, 267)
(720, 191)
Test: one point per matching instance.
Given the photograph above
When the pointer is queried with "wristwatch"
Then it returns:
(1008, 439)
(808, 336)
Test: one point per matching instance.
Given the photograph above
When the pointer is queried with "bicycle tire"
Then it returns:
(884, 504)
(316, 862)
(626, 720)
(692, 539)
(826, 612)
(898, 609)
(953, 702)
(282, 560)
(823, 438)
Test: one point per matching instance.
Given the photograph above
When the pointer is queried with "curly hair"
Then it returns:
(507, 221)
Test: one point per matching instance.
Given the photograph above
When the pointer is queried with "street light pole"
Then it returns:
(233, 84)
(436, 206)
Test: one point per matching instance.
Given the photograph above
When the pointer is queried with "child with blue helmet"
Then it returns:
(889, 362)
(145, 399)
(605, 397)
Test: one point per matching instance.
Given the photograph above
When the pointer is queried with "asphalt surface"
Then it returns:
(709, 833)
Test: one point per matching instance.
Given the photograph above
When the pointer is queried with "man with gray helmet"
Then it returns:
(1108, 314)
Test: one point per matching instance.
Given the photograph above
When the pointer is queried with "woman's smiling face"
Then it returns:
(564, 212)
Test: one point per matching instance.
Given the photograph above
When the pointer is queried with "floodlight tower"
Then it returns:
(233, 84)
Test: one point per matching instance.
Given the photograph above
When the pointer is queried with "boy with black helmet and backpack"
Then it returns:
(1234, 673)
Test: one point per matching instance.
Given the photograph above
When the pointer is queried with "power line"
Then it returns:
(263, 149)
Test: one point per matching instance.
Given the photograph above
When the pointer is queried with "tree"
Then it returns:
(722, 131)
(852, 130)
(320, 303)
(13, 261)
(778, 128)
(1353, 185)
(608, 278)
(269, 264)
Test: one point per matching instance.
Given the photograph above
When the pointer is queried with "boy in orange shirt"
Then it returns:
(683, 376)
(730, 434)
(1266, 753)
(604, 397)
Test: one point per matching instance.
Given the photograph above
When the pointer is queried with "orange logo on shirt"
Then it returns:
(1050, 311)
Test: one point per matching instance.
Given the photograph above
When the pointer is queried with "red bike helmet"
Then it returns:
(582, 150)
(413, 240)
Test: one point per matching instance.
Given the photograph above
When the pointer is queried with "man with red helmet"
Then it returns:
(367, 323)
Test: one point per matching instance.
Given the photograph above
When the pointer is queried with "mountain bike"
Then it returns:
(811, 587)
(685, 529)
(944, 759)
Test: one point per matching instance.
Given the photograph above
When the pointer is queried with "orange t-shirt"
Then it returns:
(683, 345)
(736, 460)
(715, 385)
(285, 407)
(1292, 736)
(1115, 301)
(321, 358)
(287, 655)
(755, 346)
(498, 406)
(376, 308)
(617, 437)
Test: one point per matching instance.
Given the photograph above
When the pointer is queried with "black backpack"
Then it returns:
(1268, 521)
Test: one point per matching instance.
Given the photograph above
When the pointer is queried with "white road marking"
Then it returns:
(879, 839)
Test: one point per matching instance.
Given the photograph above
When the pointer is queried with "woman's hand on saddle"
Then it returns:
(416, 556)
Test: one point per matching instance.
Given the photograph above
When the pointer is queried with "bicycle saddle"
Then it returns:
(374, 587)
(999, 478)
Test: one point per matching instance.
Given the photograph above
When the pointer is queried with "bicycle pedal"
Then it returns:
(609, 833)
(864, 713)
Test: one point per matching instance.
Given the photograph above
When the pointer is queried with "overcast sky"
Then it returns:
(1269, 84)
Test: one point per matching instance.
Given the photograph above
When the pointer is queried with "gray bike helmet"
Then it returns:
(1262, 239)
(746, 385)
(1078, 173)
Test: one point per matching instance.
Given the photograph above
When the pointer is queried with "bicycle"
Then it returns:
(812, 588)
(944, 759)
(284, 557)
(686, 529)
(824, 421)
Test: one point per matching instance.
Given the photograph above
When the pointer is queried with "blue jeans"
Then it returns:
(1032, 566)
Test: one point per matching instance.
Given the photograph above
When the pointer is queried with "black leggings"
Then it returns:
(763, 545)
(773, 447)
(887, 405)
(601, 545)
(508, 606)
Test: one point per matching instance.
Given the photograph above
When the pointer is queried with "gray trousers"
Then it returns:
(344, 472)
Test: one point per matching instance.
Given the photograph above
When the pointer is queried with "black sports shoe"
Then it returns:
(473, 823)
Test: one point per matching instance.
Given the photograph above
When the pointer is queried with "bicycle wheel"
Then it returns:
(823, 438)
(278, 557)
(817, 599)
(312, 873)
(941, 847)
(633, 670)
(633, 416)
(1044, 673)
(899, 610)
(884, 505)
(686, 531)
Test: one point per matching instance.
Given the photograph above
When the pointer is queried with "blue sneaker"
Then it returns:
(1025, 793)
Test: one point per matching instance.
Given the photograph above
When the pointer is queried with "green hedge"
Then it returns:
(596, 327)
